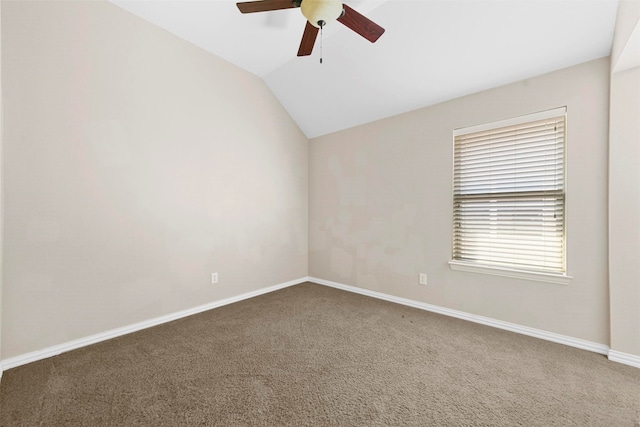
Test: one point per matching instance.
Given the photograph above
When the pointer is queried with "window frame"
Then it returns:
(562, 278)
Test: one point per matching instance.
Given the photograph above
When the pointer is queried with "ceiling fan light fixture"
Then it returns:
(321, 12)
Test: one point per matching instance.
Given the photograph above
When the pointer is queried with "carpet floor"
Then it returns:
(311, 355)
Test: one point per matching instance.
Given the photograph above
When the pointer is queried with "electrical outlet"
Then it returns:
(214, 278)
(423, 278)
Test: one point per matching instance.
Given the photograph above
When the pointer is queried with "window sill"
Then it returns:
(559, 279)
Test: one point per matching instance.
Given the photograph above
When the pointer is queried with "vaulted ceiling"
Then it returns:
(432, 50)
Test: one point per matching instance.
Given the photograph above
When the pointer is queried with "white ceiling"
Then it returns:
(432, 50)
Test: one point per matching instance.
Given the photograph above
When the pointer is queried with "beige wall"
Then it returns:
(624, 190)
(380, 206)
(135, 166)
(1, 191)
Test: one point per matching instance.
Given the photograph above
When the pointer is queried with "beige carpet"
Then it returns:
(313, 355)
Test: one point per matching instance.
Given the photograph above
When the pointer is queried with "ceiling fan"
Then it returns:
(318, 13)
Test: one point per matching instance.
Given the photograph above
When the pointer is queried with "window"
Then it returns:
(509, 197)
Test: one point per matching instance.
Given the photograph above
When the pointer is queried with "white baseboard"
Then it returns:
(626, 358)
(524, 330)
(92, 339)
(616, 356)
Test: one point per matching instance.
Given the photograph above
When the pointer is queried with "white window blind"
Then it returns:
(509, 194)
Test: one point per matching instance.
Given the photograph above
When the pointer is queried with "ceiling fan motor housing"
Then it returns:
(321, 12)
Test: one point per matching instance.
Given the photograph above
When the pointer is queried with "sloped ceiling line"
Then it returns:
(432, 50)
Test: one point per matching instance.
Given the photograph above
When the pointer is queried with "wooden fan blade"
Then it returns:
(308, 40)
(361, 24)
(265, 5)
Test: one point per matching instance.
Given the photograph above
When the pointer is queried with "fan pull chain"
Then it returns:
(321, 23)
(321, 44)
